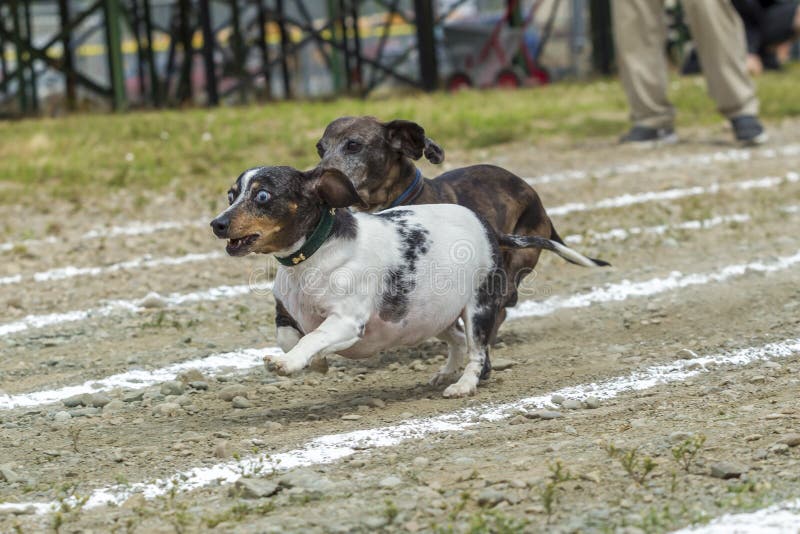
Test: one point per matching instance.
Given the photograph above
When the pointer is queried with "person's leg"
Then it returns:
(639, 38)
(718, 33)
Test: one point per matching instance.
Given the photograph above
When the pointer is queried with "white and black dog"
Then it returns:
(355, 284)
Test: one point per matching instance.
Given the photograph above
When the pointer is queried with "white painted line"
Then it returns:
(630, 199)
(139, 378)
(329, 448)
(636, 167)
(114, 307)
(141, 228)
(620, 234)
(246, 359)
(144, 262)
(781, 518)
(791, 209)
(10, 280)
(132, 229)
(626, 289)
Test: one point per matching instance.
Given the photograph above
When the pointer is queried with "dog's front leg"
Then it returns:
(334, 334)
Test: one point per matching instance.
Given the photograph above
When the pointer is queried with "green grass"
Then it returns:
(81, 155)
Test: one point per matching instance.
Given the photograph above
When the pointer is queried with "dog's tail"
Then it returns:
(555, 245)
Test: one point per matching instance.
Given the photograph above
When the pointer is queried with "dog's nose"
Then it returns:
(220, 226)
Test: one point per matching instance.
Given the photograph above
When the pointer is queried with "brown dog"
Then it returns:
(377, 157)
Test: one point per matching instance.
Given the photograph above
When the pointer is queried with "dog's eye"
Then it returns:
(262, 197)
(231, 197)
(320, 149)
(352, 146)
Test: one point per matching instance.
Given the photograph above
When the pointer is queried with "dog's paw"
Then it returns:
(459, 389)
(444, 376)
(280, 365)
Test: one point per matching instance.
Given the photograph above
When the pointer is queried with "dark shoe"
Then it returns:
(748, 130)
(644, 136)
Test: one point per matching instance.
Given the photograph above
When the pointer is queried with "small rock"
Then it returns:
(792, 440)
(686, 354)
(169, 409)
(191, 375)
(199, 385)
(572, 404)
(114, 406)
(421, 462)
(390, 482)
(418, 365)
(376, 403)
(222, 449)
(760, 454)
(491, 497)
(350, 417)
(306, 480)
(753, 437)
(84, 399)
(591, 477)
(319, 364)
(680, 436)
(229, 392)
(592, 403)
(152, 300)
(758, 379)
(84, 412)
(27, 510)
(726, 470)
(543, 414)
(241, 403)
(62, 417)
(9, 475)
(501, 364)
(557, 399)
(518, 420)
(272, 426)
(133, 396)
(255, 488)
(779, 448)
(172, 387)
(136, 501)
(99, 400)
(570, 430)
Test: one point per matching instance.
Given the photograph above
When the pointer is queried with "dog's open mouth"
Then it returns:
(240, 246)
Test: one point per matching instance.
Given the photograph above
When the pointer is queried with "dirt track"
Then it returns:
(489, 477)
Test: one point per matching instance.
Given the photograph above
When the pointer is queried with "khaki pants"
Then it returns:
(718, 34)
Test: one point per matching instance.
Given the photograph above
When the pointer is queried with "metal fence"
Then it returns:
(79, 54)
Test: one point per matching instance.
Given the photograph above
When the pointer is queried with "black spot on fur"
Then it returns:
(491, 296)
(394, 298)
(399, 280)
(345, 225)
(394, 215)
(282, 317)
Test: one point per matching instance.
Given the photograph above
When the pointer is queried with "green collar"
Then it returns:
(313, 242)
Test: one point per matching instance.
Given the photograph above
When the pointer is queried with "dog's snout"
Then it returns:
(220, 226)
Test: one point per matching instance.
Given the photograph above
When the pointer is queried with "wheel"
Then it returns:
(457, 82)
(508, 79)
(541, 76)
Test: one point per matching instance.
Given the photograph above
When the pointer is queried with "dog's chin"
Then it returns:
(242, 245)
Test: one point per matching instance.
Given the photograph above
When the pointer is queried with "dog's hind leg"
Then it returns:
(477, 351)
(456, 351)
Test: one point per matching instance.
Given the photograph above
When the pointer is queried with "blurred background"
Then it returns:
(61, 55)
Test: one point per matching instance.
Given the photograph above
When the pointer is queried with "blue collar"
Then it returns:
(409, 190)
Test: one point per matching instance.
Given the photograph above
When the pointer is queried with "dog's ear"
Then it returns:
(336, 190)
(406, 137)
(433, 152)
